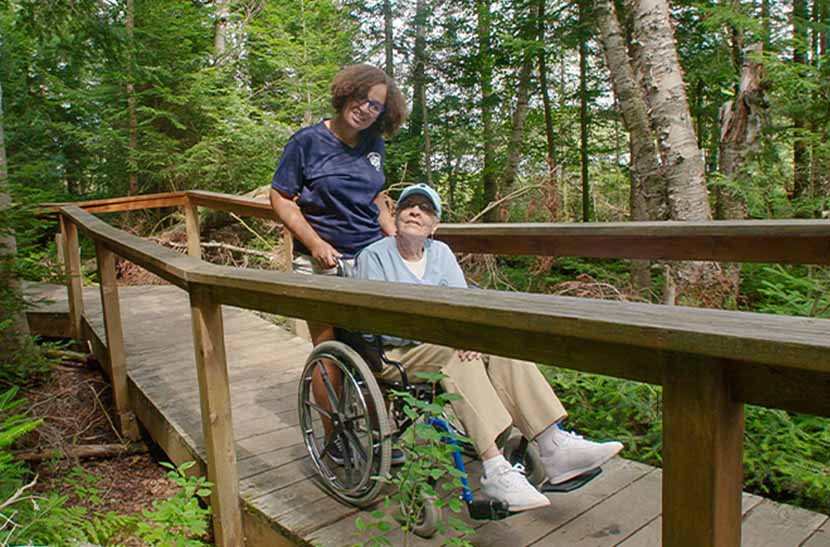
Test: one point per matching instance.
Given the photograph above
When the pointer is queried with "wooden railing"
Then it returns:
(709, 362)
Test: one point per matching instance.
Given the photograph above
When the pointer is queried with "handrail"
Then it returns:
(780, 241)
(513, 324)
(709, 362)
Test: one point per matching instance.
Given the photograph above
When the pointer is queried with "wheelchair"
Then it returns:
(364, 426)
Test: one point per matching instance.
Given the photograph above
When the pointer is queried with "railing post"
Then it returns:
(74, 286)
(115, 341)
(703, 429)
(217, 426)
(191, 214)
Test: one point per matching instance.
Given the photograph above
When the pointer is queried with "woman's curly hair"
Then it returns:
(355, 81)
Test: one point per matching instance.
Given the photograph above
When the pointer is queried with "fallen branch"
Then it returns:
(83, 451)
(67, 355)
(508, 197)
(228, 247)
(16, 496)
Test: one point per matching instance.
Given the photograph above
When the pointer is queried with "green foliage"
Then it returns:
(788, 290)
(178, 521)
(428, 474)
(48, 519)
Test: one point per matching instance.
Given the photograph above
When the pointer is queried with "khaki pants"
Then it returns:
(502, 393)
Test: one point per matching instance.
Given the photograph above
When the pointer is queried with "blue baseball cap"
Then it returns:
(425, 191)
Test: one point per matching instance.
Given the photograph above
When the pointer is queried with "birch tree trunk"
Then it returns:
(15, 337)
(661, 79)
(485, 62)
(648, 192)
(220, 30)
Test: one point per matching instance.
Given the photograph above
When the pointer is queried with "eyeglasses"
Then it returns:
(424, 206)
(373, 106)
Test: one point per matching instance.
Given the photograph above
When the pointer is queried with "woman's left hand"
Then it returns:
(466, 355)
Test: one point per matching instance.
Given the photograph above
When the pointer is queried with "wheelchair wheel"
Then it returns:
(428, 520)
(361, 435)
(531, 460)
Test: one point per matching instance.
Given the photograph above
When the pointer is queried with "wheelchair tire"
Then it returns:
(428, 520)
(360, 413)
(531, 460)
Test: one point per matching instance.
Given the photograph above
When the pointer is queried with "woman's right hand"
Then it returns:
(325, 255)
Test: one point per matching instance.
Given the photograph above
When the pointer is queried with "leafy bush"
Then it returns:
(48, 519)
(429, 459)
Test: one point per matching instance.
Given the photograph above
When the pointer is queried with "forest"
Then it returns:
(520, 111)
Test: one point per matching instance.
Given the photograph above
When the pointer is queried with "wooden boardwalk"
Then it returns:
(283, 504)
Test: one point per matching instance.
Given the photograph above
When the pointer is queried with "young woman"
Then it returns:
(326, 189)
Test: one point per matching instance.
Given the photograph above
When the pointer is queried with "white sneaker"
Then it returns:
(571, 456)
(509, 485)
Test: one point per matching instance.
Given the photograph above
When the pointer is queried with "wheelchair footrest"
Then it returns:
(488, 510)
(572, 484)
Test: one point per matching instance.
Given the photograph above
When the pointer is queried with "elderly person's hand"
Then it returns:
(466, 355)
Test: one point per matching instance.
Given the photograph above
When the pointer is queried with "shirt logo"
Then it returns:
(375, 159)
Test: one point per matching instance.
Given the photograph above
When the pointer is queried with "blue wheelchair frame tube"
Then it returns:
(438, 423)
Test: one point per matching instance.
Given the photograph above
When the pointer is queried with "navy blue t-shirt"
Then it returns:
(336, 184)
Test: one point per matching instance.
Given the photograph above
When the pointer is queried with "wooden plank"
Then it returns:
(74, 281)
(820, 537)
(772, 524)
(191, 213)
(703, 431)
(532, 526)
(445, 315)
(241, 206)
(49, 324)
(217, 425)
(167, 264)
(649, 535)
(115, 341)
(614, 519)
(791, 241)
(123, 203)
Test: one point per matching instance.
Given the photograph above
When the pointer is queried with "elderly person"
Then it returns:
(496, 392)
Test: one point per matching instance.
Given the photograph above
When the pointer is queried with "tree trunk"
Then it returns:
(801, 155)
(132, 114)
(15, 336)
(220, 30)
(583, 111)
(741, 123)
(388, 37)
(551, 184)
(661, 79)
(420, 83)
(517, 131)
(416, 120)
(648, 196)
(485, 66)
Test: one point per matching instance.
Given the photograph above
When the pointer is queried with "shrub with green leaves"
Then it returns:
(428, 476)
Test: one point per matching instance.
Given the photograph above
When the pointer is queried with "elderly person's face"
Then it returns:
(416, 217)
